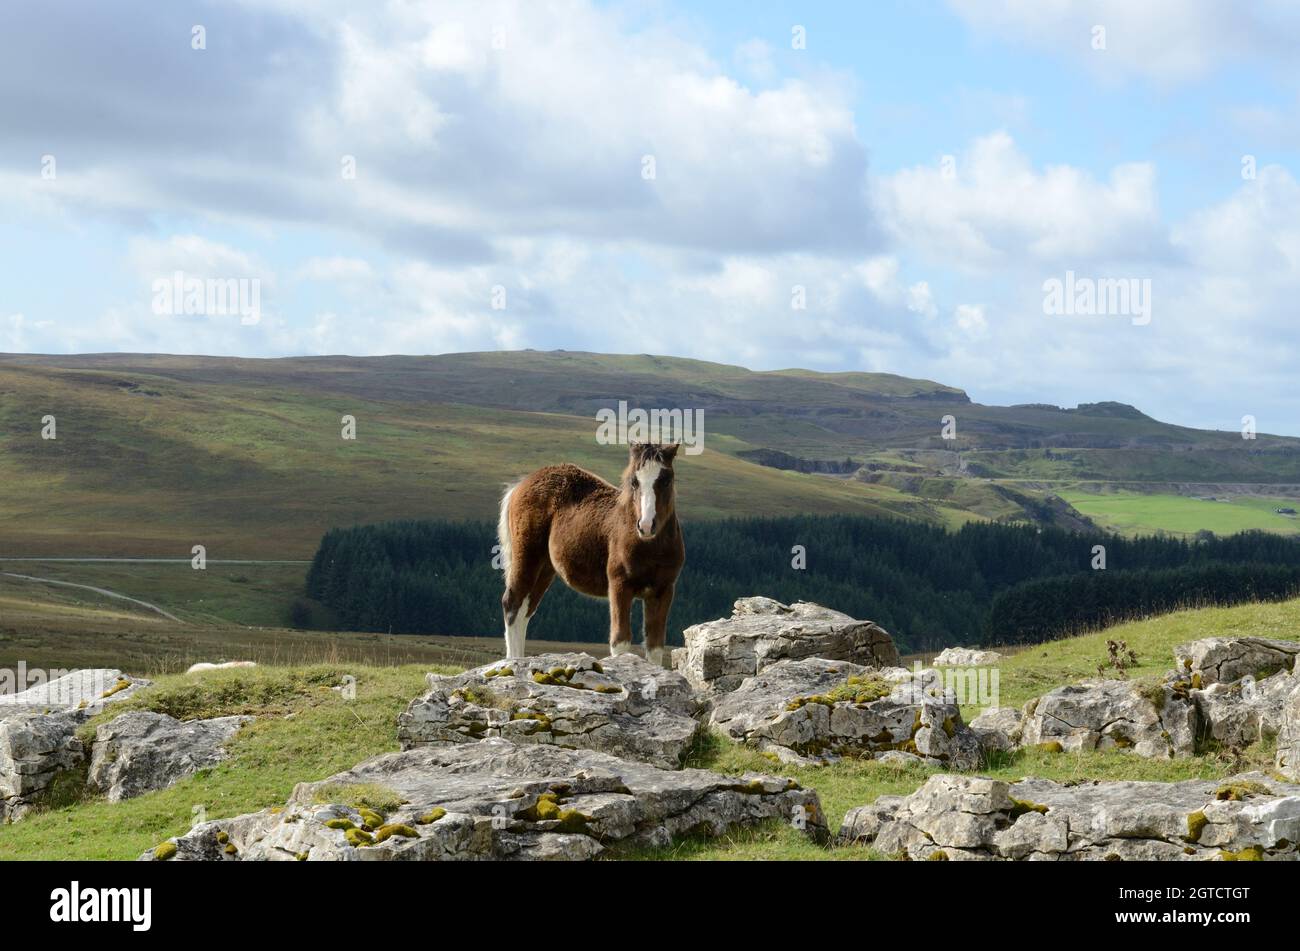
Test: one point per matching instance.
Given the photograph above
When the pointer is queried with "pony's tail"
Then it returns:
(503, 530)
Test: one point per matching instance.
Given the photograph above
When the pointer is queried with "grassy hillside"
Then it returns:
(307, 732)
(52, 627)
(255, 469)
(155, 454)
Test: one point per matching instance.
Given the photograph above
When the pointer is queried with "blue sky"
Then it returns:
(501, 200)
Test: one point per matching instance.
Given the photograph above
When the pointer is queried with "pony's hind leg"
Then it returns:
(514, 607)
(545, 575)
(524, 591)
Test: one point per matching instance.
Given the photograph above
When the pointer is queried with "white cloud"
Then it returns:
(998, 208)
(970, 320)
(457, 143)
(1169, 41)
(336, 269)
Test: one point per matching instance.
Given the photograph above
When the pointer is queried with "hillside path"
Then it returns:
(103, 591)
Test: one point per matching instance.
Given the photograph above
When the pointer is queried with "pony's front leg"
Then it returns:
(620, 618)
(657, 604)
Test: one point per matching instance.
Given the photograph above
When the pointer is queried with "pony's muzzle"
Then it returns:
(646, 529)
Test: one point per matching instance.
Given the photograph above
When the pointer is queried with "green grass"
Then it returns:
(1033, 670)
(308, 732)
(1136, 513)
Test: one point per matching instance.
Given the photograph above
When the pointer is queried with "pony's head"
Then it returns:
(648, 479)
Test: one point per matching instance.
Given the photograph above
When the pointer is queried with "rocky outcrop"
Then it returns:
(141, 751)
(1251, 817)
(815, 711)
(34, 749)
(998, 729)
(719, 655)
(621, 705)
(38, 732)
(496, 800)
(1212, 660)
(1156, 720)
(966, 657)
(78, 690)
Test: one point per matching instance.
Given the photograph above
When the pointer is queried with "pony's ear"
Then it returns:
(634, 449)
(669, 451)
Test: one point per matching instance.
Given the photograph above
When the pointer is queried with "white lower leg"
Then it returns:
(517, 633)
(656, 655)
(617, 650)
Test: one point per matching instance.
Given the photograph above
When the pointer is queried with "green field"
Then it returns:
(1134, 513)
(327, 734)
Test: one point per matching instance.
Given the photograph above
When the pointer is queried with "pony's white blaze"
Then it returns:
(646, 477)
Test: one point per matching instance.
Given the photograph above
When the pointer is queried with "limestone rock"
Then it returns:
(720, 654)
(964, 817)
(142, 751)
(998, 728)
(966, 657)
(34, 748)
(1152, 720)
(497, 800)
(621, 705)
(1243, 712)
(816, 710)
(1225, 659)
(78, 690)
(1288, 739)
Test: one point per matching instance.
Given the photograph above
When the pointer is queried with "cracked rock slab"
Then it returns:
(142, 751)
(815, 711)
(88, 689)
(497, 800)
(1244, 712)
(1250, 817)
(720, 654)
(621, 705)
(1288, 739)
(1157, 721)
(1225, 659)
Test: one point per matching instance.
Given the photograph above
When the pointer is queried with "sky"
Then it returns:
(885, 186)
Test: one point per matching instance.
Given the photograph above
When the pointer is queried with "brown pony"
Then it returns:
(610, 542)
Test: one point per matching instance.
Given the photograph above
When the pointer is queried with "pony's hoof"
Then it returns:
(618, 650)
(656, 655)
